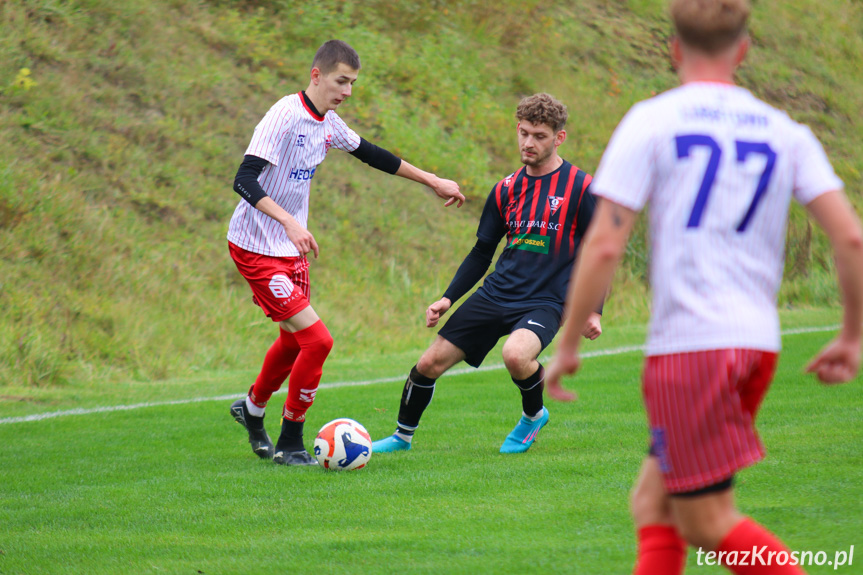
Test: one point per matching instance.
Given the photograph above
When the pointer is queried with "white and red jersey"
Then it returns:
(294, 140)
(717, 168)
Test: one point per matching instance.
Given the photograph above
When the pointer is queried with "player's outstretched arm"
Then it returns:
(386, 161)
(592, 274)
(445, 189)
(839, 362)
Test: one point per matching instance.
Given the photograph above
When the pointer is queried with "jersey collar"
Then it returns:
(556, 170)
(310, 108)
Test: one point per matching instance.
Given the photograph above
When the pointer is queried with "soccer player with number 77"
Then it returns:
(717, 168)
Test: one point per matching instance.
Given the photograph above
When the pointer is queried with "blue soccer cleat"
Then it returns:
(522, 437)
(390, 444)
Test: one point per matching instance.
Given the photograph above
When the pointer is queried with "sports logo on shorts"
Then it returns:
(281, 286)
(554, 203)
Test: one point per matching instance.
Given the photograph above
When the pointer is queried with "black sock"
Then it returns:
(291, 438)
(416, 396)
(531, 392)
(252, 421)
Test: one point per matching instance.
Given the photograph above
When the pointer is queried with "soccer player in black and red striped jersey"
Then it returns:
(543, 210)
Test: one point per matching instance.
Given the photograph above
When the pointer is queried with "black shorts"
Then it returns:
(478, 324)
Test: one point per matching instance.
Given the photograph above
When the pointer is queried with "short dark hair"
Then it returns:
(335, 52)
(710, 26)
(542, 108)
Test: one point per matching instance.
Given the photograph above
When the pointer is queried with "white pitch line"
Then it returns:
(460, 371)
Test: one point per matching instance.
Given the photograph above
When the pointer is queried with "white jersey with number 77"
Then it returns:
(717, 168)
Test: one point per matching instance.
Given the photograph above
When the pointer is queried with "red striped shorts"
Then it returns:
(701, 407)
(280, 286)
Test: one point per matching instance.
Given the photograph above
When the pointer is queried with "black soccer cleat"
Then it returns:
(294, 458)
(261, 444)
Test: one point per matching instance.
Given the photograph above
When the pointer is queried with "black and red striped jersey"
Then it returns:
(543, 219)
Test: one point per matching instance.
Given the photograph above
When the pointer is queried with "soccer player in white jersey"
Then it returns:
(717, 168)
(268, 239)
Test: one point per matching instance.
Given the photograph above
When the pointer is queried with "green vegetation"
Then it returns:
(122, 124)
(176, 489)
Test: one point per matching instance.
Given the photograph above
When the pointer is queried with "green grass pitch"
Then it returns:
(175, 489)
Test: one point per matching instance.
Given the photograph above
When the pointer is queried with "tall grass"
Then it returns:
(120, 142)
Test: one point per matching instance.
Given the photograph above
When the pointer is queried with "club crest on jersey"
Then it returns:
(301, 141)
(554, 203)
(508, 180)
(328, 143)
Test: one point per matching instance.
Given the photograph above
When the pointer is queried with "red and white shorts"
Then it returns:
(701, 407)
(280, 286)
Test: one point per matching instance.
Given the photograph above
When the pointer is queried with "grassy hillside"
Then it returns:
(122, 125)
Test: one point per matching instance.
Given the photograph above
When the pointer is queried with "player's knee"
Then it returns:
(516, 362)
(430, 365)
(694, 532)
(325, 344)
(316, 340)
(701, 531)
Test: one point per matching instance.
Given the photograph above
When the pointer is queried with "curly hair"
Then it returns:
(710, 26)
(542, 108)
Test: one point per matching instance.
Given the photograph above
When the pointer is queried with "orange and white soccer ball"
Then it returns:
(343, 444)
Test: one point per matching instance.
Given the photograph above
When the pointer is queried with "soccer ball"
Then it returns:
(343, 444)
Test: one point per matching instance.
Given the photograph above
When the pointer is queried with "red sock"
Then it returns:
(750, 542)
(661, 551)
(277, 366)
(315, 344)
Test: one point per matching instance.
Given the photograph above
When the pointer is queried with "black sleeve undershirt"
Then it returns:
(376, 157)
(246, 181)
(471, 270)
